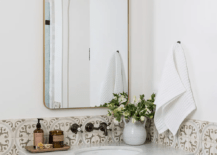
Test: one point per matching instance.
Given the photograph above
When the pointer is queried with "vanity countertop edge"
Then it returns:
(148, 149)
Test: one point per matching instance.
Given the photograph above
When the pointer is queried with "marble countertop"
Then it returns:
(148, 149)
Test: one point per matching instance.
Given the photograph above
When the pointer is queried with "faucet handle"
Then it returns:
(75, 128)
(108, 127)
(79, 129)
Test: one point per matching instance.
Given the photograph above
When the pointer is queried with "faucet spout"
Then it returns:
(104, 127)
(106, 132)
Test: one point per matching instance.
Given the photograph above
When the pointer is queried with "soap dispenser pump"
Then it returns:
(38, 134)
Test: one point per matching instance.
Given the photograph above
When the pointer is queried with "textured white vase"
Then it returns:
(134, 133)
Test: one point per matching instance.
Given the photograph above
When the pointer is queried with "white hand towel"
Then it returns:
(113, 82)
(174, 99)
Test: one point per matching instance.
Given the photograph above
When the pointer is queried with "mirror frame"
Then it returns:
(128, 14)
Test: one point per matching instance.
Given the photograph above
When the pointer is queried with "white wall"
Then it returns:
(194, 22)
(21, 61)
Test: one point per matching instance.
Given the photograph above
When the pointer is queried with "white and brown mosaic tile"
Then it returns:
(198, 137)
(152, 134)
(6, 138)
(16, 134)
(188, 137)
(166, 138)
(209, 140)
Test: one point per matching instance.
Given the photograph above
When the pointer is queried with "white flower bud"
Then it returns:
(126, 113)
(142, 118)
(121, 107)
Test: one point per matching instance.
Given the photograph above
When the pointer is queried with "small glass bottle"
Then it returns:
(56, 137)
(38, 135)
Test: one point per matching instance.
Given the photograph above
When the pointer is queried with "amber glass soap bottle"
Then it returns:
(38, 135)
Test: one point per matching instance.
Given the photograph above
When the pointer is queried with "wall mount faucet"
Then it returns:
(75, 128)
(89, 127)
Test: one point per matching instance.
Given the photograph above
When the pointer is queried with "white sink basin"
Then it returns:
(107, 150)
(116, 149)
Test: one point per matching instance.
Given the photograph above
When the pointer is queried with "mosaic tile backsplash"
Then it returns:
(194, 136)
(16, 134)
(198, 137)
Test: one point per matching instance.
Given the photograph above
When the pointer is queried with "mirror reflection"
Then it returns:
(86, 52)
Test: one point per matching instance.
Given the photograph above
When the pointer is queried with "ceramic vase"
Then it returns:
(134, 133)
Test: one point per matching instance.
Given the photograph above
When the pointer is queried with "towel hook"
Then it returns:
(117, 51)
(179, 42)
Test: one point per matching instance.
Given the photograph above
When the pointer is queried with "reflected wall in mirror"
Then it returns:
(85, 52)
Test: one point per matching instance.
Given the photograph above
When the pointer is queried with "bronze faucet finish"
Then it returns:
(89, 127)
(75, 128)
